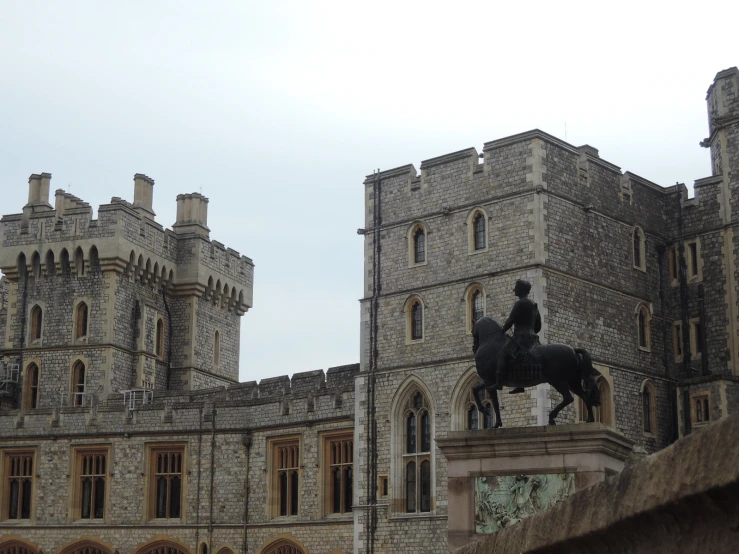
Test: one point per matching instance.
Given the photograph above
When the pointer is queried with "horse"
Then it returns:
(565, 368)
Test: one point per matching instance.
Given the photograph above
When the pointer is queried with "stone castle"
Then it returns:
(123, 425)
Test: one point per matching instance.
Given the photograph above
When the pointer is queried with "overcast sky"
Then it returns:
(277, 111)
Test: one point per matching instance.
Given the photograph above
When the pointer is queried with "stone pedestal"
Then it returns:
(502, 475)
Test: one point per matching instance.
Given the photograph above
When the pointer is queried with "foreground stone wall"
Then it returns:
(681, 499)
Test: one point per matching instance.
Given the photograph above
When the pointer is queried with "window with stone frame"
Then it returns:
(79, 375)
(417, 455)
(696, 339)
(639, 249)
(700, 408)
(475, 305)
(474, 419)
(31, 387)
(16, 547)
(693, 261)
(217, 348)
(417, 245)
(81, 313)
(18, 484)
(166, 481)
(37, 316)
(677, 340)
(284, 498)
(90, 481)
(414, 319)
(649, 413)
(674, 259)
(338, 468)
(643, 324)
(602, 413)
(86, 547)
(159, 338)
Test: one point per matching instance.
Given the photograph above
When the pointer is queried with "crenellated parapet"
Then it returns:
(125, 238)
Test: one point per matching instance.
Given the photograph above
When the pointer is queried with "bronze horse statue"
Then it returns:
(565, 368)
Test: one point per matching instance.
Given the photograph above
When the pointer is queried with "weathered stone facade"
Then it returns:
(596, 244)
(143, 308)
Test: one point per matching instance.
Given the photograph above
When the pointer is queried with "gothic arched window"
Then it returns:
(479, 230)
(30, 382)
(639, 249)
(37, 316)
(649, 412)
(643, 324)
(417, 455)
(78, 384)
(80, 321)
(417, 245)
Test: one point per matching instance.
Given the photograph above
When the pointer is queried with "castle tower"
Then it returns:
(97, 306)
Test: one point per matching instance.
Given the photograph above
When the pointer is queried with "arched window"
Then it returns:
(414, 319)
(159, 340)
(225, 550)
(477, 230)
(474, 418)
(49, 263)
(417, 455)
(417, 244)
(36, 265)
(86, 547)
(17, 547)
(475, 305)
(162, 547)
(639, 249)
(643, 327)
(602, 413)
(217, 348)
(37, 316)
(282, 546)
(649, 397)
(30, 382)
(78, 384)
(203, 549)
(79, 262)
(64, 262)
(94, 260)
(80, 321)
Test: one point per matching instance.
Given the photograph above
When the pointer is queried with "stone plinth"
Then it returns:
(557, 459)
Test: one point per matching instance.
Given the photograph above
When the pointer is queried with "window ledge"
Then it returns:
(645, 349)
(473, 252)
(163, 521)
(648, 435)
(17, 522)
(423, 515)
(417, 264)
(89, 521)
(414, 341)
(348, 516)
(642, 269)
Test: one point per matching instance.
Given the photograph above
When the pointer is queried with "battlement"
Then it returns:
(306, 396)
(125, 237)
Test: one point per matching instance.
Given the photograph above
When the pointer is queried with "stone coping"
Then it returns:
(701, 465)
(536, 441)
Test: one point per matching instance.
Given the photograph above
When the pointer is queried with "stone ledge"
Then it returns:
(685, 495)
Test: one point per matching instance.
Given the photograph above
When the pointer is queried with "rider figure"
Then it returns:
(526, 323)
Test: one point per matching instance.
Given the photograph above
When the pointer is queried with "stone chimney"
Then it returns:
(192, 214)
(38, 191)
(143, 195)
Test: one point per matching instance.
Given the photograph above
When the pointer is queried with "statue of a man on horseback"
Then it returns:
(521, 361)
(526, 323)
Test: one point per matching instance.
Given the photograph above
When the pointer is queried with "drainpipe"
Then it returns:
(169, 333)
(247, 445)
(212, 473)
(197, 499)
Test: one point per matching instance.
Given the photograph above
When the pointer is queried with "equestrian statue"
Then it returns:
(520, 361)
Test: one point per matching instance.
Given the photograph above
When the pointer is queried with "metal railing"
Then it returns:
(77, 400)
(137, 397)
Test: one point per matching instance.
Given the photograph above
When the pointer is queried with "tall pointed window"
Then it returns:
(80, 321)
(78, 384)
(166, 477)
(474, 419)
(30, 383)
(417, 455)
(479, 230)
(18, 485)
(37, 317)
(643, 327)
(475, 299)
(648, 396)
(90, 487)
(159, 339)
(639, 249)
(601, 413)
(285, 487)
(419, 246)
(217, 348)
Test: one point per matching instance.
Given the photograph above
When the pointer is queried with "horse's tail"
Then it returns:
(588, 375)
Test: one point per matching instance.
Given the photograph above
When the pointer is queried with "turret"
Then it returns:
(192, 214)
(143, 195)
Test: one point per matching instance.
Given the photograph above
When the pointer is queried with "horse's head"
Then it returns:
(485, 328)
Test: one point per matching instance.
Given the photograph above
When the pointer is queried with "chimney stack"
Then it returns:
(38, 193)
(143, 195)
(192, 214)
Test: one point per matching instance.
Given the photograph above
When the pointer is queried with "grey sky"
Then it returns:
(278, 110)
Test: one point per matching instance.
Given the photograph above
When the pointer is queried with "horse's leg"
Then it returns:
(576, 387)
(476, 394)
(562, 388)
(496, 406)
